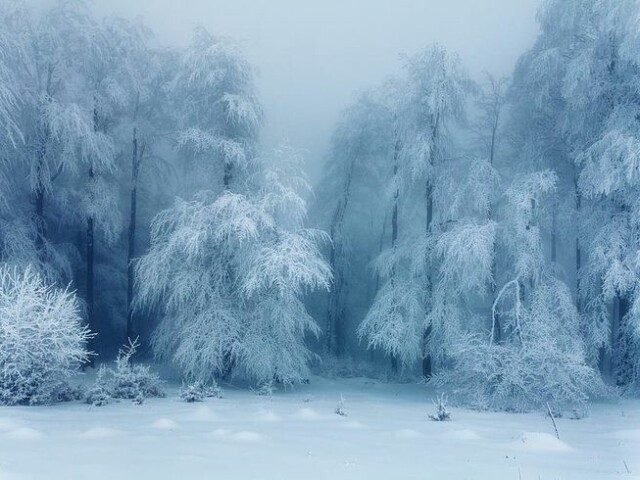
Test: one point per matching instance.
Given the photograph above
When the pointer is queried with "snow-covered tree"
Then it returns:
(229, 272)
(540, 355)
(219, 113)
(56, 129)
(428, 102)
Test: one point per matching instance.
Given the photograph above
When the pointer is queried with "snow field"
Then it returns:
(295, 435)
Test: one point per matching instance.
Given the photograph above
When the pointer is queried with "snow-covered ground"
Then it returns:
(296, 435)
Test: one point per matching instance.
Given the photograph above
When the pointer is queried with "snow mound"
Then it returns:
(25, 433)
(203, 414)
(307, 414)
(353, 424)
(243, 436)
(164, 424)
(540, 442)
(629, 435)
(464, 434)
(407, 433)
(7, 424)
(221, 432)
(268, 416)
(246, 437)
(99, 432)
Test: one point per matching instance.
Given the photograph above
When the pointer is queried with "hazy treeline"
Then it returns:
(486, 232)
(489, 230)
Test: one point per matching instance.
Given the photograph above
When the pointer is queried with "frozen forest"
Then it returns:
(449, 288)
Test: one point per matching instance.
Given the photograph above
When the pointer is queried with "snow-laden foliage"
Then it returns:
(229, 273)
(467, 252)
(542, 359)
(393, 323)
(535, 352)
(429, 101)
(42, 338)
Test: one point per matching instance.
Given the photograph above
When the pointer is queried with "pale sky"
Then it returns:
(313, 55)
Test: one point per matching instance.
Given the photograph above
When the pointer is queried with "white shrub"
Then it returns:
(42, 339)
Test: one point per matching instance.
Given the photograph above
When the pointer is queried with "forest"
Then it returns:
(477, 235)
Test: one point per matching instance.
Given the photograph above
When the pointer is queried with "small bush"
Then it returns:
(442, 412)
(198, 391)
(42, 339)
(126, 381)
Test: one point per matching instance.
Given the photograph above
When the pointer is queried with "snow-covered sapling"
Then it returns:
(341, 409)
(266, 389)
(442, 411)
(198, 391)
(99, 394)
(553, 420)
(126, 381)
(42, 339)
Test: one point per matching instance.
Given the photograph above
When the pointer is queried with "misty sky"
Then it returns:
(313, 55)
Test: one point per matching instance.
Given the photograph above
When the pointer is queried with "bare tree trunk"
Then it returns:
(335, 314)
(228, 176)
(497, 330)
(394, 226)
(578, 246)
(136, 159)
(620, 365)
(427, 364)
(554, 234)
(228, 361)
(90, 273)
(40, 191)
(41, 224)
(91, 255)
(427, 367)
(380, 249)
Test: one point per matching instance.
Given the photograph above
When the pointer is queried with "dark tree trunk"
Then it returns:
(90, 275)
(394, 227)
(497, 330)
(91, 320)
(228, 360)
(40, 191)
(427, 367)
(578, 246)
(335, 314)
(136, 159)
(621, 365)
(41, 224)
(228, 176)
(427, 364)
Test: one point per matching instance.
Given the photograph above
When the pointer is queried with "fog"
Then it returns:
(313, 56)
